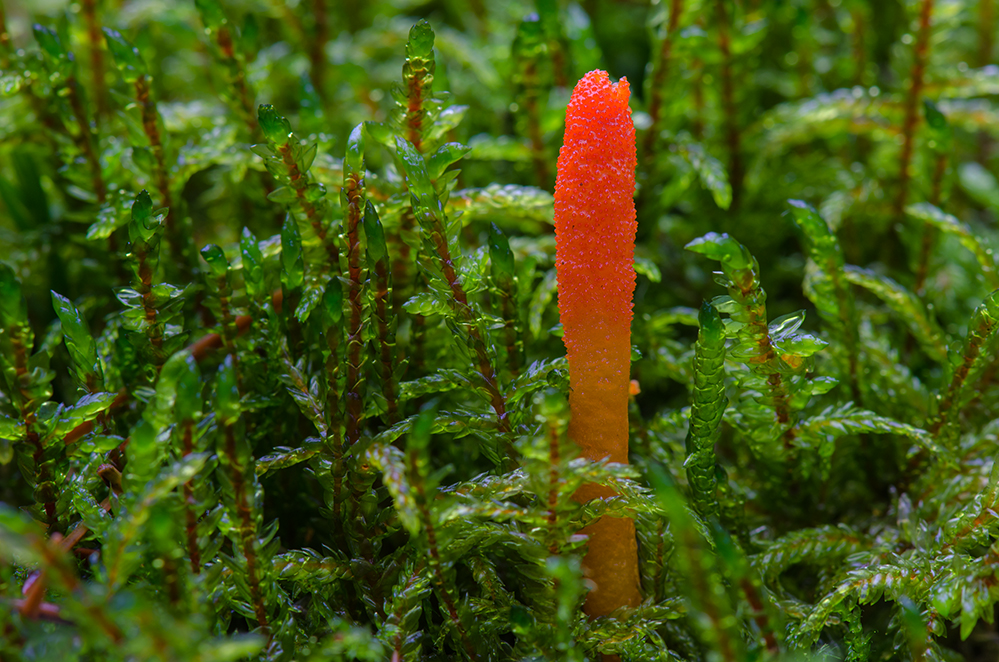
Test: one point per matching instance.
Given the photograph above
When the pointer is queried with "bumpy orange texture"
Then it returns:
(595, 231)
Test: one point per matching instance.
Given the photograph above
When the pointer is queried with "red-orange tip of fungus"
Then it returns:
(595, 231)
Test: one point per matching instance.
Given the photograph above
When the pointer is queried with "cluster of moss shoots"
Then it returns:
(261, 402)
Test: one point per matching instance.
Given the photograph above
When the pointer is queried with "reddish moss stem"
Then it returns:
(247, 527)
(385, 341)
(912, 103)
(317, 48)
(43, 475)
(300, 183)
(440, 582)
(355, 343)
(190, 518)
(485, 367)
(96, 39)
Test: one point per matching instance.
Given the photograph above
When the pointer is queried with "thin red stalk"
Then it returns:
(986, 28)
(435, 558)
(150, 118)
(553, 462)
(414, 111)
(190, 518)
(767, 357)
(385, 340)
(43, 475)
(225, 44)
(247, 527)
(485, 367)
(510, 332)
(859, 49)
(86, 138)
(659, 77)
(317, 49)
(5, 45)
(95, 38)
(355, 343)
(333, 411)
(912, 102)
(300, 183)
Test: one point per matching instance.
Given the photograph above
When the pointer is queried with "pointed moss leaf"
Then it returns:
(944, 222)
(253, 264)
(333, 300)
(710, 172)
(421, 40)
(76, 334)
(293, 272)
(126, 56)
(939, 127)
(722, 248)
(108, 220)
(905, 305)
(275, 127)
(980, 184)
(375, 233)
(501, 260)
(217, 262)
(446, 155)
(353, 160)
(507, 205)
(648, 268)
(211, 13)
(541, 298)
(226, 393)
(799, 344)
(416, 171)
(283, 195)
(847, 419)
(428, 303)
(13, 309)
(189, 399)
(312, 296)
(48, 40)
(809, 220)
(786, 324)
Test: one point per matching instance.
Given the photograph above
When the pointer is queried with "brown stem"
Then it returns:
(485, 367)
(317, 49)
(86, 138)
(300, 183)
(43, 475)
(986, 27)
(247, 526)
(354, 187)
(95, 38)
(443, 590)
(190, 518)
(553, 462)
(385, 340)
(920, 57)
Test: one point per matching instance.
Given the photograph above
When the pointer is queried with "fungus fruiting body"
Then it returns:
(595, 231)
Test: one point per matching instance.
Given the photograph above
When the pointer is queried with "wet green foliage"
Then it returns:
(282, 376)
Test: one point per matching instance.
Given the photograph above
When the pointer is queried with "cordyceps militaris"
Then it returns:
(595, 230)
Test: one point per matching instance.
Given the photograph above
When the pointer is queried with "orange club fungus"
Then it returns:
(595, 232)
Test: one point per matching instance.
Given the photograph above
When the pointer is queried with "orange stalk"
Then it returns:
(595, 234)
